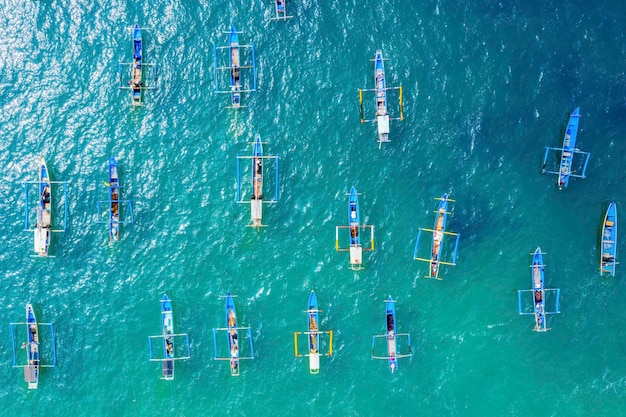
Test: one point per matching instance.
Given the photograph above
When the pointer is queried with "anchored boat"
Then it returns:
(168, 336)
(438, 232)
(44, 212)
(235, 87)
(538, 293)
(281, 12)
(137, 83)
(391, 337)
(380, 89)
(233, 333)
(568, 151)
(608, 242)
(354, 226)
(42, 228)
(256, 197)
(114, 204)
(32, 347)
(313, 336)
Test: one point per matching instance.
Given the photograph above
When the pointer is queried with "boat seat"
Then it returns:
(609, 223)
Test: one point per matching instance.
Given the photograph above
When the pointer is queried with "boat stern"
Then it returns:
(256, 212)
(356, 257)
(383, 128)
(42, 241)
(314, 363)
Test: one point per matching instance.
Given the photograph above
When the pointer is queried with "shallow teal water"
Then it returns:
(486, 87)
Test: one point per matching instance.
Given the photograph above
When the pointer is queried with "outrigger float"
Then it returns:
(168, 336)
(391, 336)
(355, 227)
(43, 225)
(139, 81)
(608, 242)
(232, 333)
(235, 87)
(281, 12)
(438, 232)
(567, 153)
(114, 203)
(32, 347)
(380, 89)
(257, 198)
(313, 337)
(538, 293)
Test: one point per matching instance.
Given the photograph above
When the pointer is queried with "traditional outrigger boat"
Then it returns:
(42, 228)
(281, 12)
(391, 336)
(608, 242)
(313, 336)
(168, 336)
(438, 232)
(380, 89)
(257, 198)
(538, 292)
(354, 226)
(234, 69)
(44, 212)
(137, 82)
(32, 346)
(114, 196)
(567, 153)
(115, 203)
(232, 334)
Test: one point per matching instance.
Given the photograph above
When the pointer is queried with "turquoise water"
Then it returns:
(486, 87)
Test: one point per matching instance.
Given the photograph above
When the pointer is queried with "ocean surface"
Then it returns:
(487, 86)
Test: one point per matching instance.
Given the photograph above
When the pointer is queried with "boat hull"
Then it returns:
(43, 228)
(539, 302)
(137, 78)
(569, 146)
(380, 83)
(438, 235)
(354, 218)
(608, 242)
(313, 334)
(232, 335)
(31, 370)
(167, 322)
(235, 70)
(114, 200)
(391, 335)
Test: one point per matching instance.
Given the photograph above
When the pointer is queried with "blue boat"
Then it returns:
(568, 151)
(380, 94)
(313, 336)
(43, 228)
(137, 82)
(168, 341)
(233, 335)
(114, 201)
(235, 85)
(391, 336)
(281, 11)
(31, 371)
(257, 183)
(538, 292)
(608, 243)
(354, 227)
(167, 324)
(438, 231)
(354, 218)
